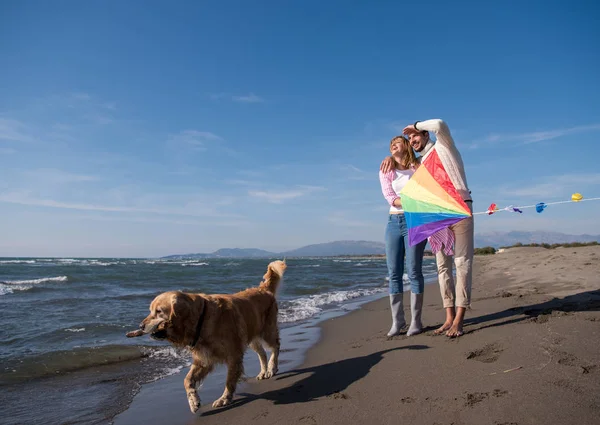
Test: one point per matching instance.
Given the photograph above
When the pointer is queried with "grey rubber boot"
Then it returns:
(416, 308)
(398, 320)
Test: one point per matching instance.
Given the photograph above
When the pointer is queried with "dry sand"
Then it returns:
(530, 355)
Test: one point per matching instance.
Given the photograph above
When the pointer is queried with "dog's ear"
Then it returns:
(179, 305)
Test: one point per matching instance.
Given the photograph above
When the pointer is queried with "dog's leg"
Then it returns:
(195, 377)
(273, 344)
(262, 357)
(235, 368)
(270, 335)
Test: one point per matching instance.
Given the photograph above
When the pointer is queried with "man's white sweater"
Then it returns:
(449, 155)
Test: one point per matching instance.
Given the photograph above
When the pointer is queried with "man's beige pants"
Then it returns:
(458, 295)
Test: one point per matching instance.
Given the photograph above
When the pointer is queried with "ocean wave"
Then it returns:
(59, 362)
(105, 263)
(309, 265)
(172, 360)
(75, 330)
(194, 264)
(168, 361)
(306, 307)
(17, 261)
(35, 281)
(9, 286)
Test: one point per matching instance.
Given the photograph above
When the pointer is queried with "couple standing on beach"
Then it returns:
(455, 241)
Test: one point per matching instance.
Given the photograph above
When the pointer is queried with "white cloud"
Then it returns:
(99, 118)
(280, 196)
(341, 219)
(236, 182)
(193, 138)
(248, 98)
(550, 186)
(53, 175)
(354, 173)
(81, 96)
(14, 131)
(191, 209)
(531, 137)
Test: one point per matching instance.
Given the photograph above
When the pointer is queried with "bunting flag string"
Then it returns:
(539, 207)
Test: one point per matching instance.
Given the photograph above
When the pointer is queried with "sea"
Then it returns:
(64, 357)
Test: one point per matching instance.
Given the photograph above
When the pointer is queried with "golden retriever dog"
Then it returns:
(218, 328)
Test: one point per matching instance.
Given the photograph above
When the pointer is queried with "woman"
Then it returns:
(396, 241)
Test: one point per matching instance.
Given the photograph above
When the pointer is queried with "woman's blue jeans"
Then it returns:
(396, 249)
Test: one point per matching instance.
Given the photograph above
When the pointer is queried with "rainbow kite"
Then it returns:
(430, 201)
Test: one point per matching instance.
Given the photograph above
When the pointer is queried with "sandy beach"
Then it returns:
(529, 356)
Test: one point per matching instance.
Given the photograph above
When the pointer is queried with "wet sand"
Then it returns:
(529, 356)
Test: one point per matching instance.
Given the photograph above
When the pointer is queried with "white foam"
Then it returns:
(185, 264)
(101, 263)
(310, 265)
(9, 286)
(167, 372)
(342, 261)
(305, 307)
(36, 281)
(5, 289)
(165, 353)
(75, 330)
(17, 261)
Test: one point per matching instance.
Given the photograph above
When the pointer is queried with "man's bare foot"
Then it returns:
(455, 330)
(450, 315)
(442, 329)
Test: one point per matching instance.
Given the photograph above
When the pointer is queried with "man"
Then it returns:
(456, 298)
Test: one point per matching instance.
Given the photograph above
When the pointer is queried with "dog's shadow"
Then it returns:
(323, 380)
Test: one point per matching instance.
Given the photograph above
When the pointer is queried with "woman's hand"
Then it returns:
(387, 165)
(398, 203)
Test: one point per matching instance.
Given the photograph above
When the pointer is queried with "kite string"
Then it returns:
(533, 206)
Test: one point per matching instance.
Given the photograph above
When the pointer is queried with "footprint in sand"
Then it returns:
(339, 396)
(310, 419)
(488, 354)
(567, 359)
(474, 398)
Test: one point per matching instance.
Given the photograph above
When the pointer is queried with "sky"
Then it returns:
(147, 128)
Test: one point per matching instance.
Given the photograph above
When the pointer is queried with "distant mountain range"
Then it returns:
(337, 248)
(329, 249)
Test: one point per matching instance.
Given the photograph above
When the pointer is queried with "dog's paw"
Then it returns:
(271, 372)
(262, 375)
(223, 401)
(194, 401)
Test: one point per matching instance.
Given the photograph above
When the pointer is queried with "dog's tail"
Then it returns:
(273, 276)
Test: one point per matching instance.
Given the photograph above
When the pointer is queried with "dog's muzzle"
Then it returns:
(156, 328)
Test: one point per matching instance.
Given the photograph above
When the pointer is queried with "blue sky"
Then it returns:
(151, 128)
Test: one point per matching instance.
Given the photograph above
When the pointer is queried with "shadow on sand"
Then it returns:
(322, 380)
(583, 301)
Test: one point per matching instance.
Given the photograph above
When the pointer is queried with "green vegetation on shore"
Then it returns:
(491, 250)
(486, 250)
(554, 245)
